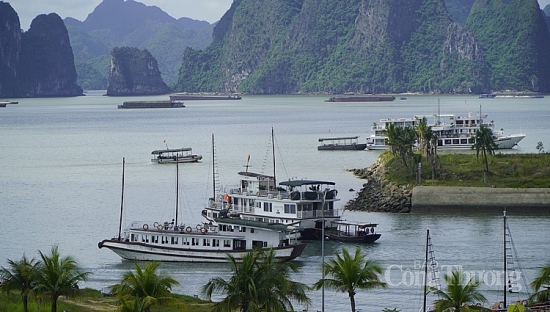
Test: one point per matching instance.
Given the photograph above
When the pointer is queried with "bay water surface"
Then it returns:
(61, 169)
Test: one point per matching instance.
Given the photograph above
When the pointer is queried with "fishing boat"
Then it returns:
(453, 131)
(175, 241)
(176, 155)
(341, 143)
(353, 232)
(307, 205)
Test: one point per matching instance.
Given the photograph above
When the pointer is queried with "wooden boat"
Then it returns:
(197, 97)
(361, 99)
(353, 232)
(487, 96)
(151, 104)
(176, 155)
(341, 143)
(173, 241)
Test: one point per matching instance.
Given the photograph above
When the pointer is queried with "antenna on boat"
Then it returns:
(121, 200)
(213, 169)
(504, 254)
(247, 163)
(166, 144)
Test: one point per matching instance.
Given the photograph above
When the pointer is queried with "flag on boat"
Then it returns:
(227, 198)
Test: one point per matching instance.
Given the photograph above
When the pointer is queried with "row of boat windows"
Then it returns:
(288, 208)
(174, 240)
(456, 141)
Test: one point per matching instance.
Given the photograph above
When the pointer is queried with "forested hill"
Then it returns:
(291, 46)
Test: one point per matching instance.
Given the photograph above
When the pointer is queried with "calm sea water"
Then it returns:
(61, 168)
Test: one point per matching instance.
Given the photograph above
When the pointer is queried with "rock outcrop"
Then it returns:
(134, 72)
(47, 61)
(36, 63)
(379, 194)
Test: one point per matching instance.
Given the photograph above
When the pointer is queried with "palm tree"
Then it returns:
(486, 143)
(56, 275)
(459, 297)
(347, 274)
(540, 285)
(259, 282)
(20, 276)
(141, 289)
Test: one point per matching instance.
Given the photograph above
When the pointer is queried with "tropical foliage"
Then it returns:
(460, 295)
(484, 143)
(57, 275)
(21, 275)
(348, 273)
(540, 285)
(258, 283)
(140, 290)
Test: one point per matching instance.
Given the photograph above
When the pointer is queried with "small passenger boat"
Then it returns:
(341, 143)
(176, 155)
(353, 232)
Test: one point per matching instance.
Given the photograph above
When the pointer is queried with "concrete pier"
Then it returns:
(437, 198)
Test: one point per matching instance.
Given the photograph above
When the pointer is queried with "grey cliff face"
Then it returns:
(10, 48)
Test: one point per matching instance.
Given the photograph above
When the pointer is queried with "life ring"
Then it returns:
(160, 227)
(188, 229)
(372, 230)
(203, 230)
(156, 224)
(145, 226)
(198, 227)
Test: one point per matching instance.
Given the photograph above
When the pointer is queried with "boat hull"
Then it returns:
(186, 159)
(370, 238)
(362, 99)
(354, 147)
(144, 252)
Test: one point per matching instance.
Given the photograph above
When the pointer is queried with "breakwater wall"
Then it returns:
(436, 198)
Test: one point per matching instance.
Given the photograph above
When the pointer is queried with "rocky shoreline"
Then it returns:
(378, 194)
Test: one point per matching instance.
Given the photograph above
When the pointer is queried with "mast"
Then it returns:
(213, 170)
(426, 269)
(177, 191)
(273, 153)
(505, 268)
(121, 200)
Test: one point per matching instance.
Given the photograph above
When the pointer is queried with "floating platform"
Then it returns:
(151, 104)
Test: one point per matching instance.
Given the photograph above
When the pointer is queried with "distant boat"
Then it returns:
(487, 96)
(180, 155)
(5, 103)
(341, 143)
(352, 232)
(361, 99)
(195, 97)
(151, 104)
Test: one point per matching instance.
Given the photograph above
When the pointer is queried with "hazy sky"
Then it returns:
(207, 10)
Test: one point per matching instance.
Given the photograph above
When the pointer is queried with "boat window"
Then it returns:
(242, 229)
(226, 243)
(215, 243)
(251, 230)
(463, 141)
(290, 208)
(133, 238)
(447, 141)
(268, 207)
(206, 242)
(174, 240)
(185, 241)
(194, 241)
(455, 141)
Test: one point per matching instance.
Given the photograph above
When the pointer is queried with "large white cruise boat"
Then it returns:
(453, 131)
(206, 242)
(303, 204)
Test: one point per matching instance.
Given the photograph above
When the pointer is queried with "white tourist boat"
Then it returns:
(176, 241)
(453, 131)
(303, 204)
(180, 155)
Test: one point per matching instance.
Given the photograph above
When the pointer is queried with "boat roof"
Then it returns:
(339, 138)
(173, 150)
(251, 223)
(255, 175)
(294, 183)
(359, 224)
